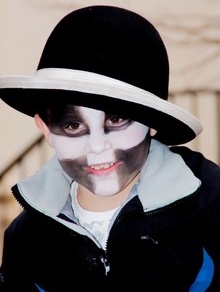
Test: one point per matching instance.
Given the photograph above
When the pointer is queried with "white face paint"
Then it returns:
(100, 151)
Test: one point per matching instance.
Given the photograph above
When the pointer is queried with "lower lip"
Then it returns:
(103, 171)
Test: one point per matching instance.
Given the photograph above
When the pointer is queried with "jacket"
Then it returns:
(164, 238)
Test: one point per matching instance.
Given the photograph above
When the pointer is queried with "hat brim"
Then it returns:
(29, 94)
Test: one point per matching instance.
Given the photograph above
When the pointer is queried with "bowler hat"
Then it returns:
(106, 58)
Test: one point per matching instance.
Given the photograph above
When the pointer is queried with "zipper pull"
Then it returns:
(106, 264)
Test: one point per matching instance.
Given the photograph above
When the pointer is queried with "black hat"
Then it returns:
(106, 58)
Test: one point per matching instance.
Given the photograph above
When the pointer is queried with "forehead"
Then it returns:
(69, 110)
(67, 113)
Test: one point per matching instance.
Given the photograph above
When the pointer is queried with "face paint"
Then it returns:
(102, 152)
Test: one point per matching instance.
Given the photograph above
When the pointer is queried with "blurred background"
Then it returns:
(190, 30)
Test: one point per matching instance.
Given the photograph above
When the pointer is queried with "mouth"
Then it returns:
(102, 169)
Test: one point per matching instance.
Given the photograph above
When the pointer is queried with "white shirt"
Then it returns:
(96, 223)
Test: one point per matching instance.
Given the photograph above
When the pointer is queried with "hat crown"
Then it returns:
(110, 41)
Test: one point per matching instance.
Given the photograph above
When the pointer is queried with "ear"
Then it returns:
(43, 128)
(152, 132)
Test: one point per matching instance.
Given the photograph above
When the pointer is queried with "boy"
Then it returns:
(119, 205)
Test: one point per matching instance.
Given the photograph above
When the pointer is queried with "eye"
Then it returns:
(74, 128)
(117, 123)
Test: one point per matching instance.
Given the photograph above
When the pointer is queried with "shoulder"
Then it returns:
(209, 174)
(201, 166)
(18, 233)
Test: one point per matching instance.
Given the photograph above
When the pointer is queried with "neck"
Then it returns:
(92, 202)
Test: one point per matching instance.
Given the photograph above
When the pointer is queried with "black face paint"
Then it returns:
(102, 152)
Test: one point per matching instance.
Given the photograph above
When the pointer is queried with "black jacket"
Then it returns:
(156, 245)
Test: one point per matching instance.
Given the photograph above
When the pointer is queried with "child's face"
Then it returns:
(101, 151)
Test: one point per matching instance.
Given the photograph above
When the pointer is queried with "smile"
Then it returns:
(102, 166)
(102, 169)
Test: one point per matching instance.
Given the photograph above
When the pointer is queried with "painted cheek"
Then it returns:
(129, 137)
(75, 169)
(68, 148)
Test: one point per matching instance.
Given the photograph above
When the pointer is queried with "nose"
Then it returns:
(97, 143)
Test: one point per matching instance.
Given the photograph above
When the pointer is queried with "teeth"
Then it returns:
(102, 166)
